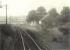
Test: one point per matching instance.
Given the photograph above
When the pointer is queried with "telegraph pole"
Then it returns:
(6, 11)
(6, 14)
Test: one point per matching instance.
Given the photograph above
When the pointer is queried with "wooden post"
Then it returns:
(6, 13)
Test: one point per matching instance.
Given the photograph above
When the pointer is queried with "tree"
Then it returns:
(64, 16)
(65, 13)
(53, 12)
(36, 15)
(49, 20)
(41, 12)
(31, 16)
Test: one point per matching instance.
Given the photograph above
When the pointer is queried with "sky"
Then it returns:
(22, 7)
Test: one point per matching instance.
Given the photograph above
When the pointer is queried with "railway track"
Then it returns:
(23, 41)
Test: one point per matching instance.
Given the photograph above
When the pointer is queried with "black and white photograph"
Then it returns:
(34, 24)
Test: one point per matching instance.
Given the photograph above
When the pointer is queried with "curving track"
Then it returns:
(14, 38)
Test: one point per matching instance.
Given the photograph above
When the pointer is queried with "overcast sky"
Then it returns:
(22, 7)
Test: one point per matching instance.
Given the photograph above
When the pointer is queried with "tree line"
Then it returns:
(49, 19)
